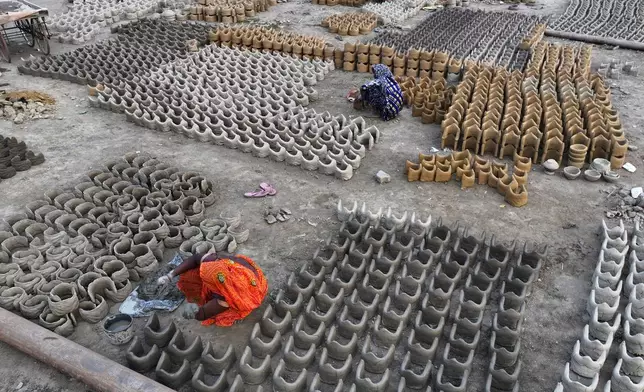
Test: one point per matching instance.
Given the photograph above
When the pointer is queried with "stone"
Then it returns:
(636, 191)
(382, 177)
(640, 201)
(631, 201)
(623, 192)
(632, 147)
(629, 167)
(270, 219)
(9, 112)
(19, 119)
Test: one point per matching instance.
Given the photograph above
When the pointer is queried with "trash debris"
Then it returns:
(353, 94)
(434, 150)
(20, 106)
(629, 167)
(29, 96)
(627, 204)
(382, 177)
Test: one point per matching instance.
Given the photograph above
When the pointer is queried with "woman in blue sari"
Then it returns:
(383, 93)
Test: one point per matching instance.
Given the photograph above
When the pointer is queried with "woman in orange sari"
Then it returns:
(226, 288)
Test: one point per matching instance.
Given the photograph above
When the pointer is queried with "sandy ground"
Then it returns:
(561, 213)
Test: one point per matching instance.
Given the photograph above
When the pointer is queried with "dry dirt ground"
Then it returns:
(561, 213)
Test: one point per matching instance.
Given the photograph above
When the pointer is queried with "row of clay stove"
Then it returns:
(470, 169)
(592, 350)
(362, 266)
(15, 157)
(265, 39)
(139, 48)
(395, 11)
(355, 56)
(584, 114)
(529, 105)
(73, 250)
(349, 3)
(177, 358)
(84, 20)
(429, 99)
(413, 63)
(493, 38)
(621, 19)
(351, 23)
(240, 115)
(226, 11)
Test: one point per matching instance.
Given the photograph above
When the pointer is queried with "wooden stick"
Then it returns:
(96, 371)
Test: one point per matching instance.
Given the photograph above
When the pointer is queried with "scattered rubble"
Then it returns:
(626, 203)
(382, 177)
(20, 106)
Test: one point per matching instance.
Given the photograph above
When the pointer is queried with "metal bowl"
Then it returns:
(118, 328)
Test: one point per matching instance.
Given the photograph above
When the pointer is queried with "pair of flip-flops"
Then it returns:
(265, 189)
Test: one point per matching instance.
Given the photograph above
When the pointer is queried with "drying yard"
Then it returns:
(469, 268)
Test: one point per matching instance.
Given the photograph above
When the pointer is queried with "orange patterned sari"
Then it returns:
(236, 284)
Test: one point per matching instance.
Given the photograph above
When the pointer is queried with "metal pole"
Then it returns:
(96, 371)
(593, 39)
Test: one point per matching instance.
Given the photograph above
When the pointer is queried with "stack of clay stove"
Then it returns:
(556, 104)
(469, 169)
(228, 11)
(428, 98)
(74, 250)
(619, 276)
(261, 38)
(414, 63)
(15, 157)
(351, 23)
(350, 3)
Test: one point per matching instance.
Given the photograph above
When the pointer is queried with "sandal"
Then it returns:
(265, 190)
(268, 188)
